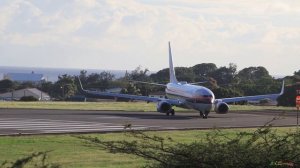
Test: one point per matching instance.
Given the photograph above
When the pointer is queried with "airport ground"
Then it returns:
(70, 151)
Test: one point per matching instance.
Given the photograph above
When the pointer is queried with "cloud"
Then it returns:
(209, 30)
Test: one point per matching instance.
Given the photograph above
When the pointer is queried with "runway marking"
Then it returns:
(23, 125)
(114, 117)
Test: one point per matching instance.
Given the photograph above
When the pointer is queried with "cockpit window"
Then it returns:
(203, 92)
(207, 95)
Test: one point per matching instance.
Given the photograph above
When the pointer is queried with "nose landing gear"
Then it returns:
(204, 115)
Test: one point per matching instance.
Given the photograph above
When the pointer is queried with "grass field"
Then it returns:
(122, 106)
(69, 151)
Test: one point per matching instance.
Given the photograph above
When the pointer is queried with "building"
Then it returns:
(25, 77)
(17, 94)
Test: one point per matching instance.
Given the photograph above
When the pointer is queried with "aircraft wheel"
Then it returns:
(172, 112)
(201, 114)
(205, 114)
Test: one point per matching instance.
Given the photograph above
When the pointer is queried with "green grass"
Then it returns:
(259, 108)
(132, 106)
(65, 150)
(70, 151)
(122, 106)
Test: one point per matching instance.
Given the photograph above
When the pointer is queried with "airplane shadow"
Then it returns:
(141, 115)
(146, 115)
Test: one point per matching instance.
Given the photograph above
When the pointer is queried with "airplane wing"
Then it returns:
(159, 84)
(195, 83)
(150, 83)
(107, 95)
(252, 98)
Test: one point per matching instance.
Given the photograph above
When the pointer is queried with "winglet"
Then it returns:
(282, 88)
(171, 68)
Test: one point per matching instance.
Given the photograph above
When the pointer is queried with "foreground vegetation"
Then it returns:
(70, 151)
(73, 151)
(264, 147)
(120, 106)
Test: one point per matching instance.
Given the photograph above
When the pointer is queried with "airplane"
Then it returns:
(185, 95)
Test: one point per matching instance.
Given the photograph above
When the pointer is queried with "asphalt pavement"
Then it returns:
(28, 121)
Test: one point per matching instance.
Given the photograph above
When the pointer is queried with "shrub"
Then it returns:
(39, 160)
(28, 98)
(261, 148)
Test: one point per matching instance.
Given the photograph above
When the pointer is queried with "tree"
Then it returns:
(297, 73)
(65, 86)
(289, 95)
(185, 74)
(100, 81)
(225, 75)
(222, 92)
(131, 89)
(182, 74)
(161, 76)
(252, 74)
(139, 74)
(47, 87)
(202, 71)
(7, 85)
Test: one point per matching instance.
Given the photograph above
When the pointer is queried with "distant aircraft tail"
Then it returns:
(282, 88)
(80, 85)
(171, 68)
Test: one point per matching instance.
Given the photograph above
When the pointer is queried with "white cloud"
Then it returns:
(210, 30)
(7, 13)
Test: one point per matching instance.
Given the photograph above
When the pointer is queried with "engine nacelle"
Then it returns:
(164, 107)
(221, 108)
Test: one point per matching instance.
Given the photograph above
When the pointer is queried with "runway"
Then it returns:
(27, 121)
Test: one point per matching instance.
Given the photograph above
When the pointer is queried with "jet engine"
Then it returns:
(221, 108)
(164, 107)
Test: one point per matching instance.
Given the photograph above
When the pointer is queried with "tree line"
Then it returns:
(225, 81)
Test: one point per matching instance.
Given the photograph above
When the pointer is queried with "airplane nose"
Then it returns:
(205, 95)
(208, 98)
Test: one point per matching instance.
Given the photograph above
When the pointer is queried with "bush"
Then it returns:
(39, 160)
(261, 148)
(28, 98)
(289, 96)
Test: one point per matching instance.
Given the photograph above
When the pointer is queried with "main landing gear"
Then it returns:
(172, 112)
(204, 115)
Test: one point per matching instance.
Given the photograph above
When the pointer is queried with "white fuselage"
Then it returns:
(196, 97)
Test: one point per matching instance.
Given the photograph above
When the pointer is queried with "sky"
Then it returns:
(125, 34)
